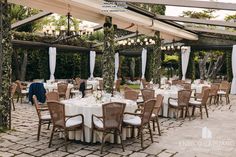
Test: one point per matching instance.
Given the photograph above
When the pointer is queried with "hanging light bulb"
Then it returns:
(132, 41)
(168, 47)
(147, 43)
(138, 40)
(178, 47)
(145, 39)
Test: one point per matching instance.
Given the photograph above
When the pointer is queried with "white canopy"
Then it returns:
(144, 60)
(233, 86)
(185, 52)
(116, 65)
(92, 62)
(52, 61)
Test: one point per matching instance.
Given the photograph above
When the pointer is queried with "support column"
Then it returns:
(108, 58)
(5, 65)
(157, 59)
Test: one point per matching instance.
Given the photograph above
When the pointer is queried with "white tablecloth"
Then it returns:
(88, 106)
(198, 87)
(50, 87)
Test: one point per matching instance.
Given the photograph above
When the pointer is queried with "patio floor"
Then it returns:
(179, 138)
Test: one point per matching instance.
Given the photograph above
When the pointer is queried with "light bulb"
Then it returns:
(138, 40)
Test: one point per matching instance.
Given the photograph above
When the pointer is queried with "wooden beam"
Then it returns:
(207, 30)
(42, 45)
(188, 3)
(198, 21)
(30, 19)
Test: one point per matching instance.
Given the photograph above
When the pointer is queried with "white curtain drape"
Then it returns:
(233, 86)
(92, 63)
(52, 61)
(144, 60)
(116, 65)
(185, 52)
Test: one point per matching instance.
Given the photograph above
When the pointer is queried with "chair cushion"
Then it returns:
(132, 120)
(98, 123)
(24, 91)
(173, 102)
(45, 117)
(73, 121)
(221, 92)
(194, 102)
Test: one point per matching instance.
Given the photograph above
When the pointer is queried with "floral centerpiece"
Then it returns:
(97, 95)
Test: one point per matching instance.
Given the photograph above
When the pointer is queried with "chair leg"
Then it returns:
(158, 126)
(84, 133)
(206, 110)
(92, 134)
(150, 131)
(193, 110)
(48, 125)
(121, 141)
(13, 104)
(51, 137)
(141, 134)
(177, 115)
(18, 96)
(201, 111)
(103, 142)
(66, 142)
(188, 113)
(39, 130)
(153, 123)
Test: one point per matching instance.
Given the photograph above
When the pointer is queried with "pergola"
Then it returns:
(163, 27)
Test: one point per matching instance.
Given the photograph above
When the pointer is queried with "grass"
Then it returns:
(133, 86)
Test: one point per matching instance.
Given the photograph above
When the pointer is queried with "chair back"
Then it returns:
(37, 106)
(62, 88)
(57, 113)
(117, 85)
(205, 95)
(77, 81)
(158, 104)
(186, 86)
(52, 96)
(148, 94)
(177, 82)
(225, 86)
(13, 89)
(184, 97)
(147, 111)
(113, 115)
(131, 95)
(19, 86)
(100, 84)
(214, 89)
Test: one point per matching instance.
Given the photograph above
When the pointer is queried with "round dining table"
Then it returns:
(89, 106)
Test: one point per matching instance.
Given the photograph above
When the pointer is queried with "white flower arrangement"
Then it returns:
(97, 95)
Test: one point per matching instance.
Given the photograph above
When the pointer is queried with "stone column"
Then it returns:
(108, 58)
(156, 62)
(5, 65)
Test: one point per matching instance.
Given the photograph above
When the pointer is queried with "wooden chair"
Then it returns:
(64, 123)
(43, 118)
(77, 82)
(127, 88)
(186, 86)
(177, 82)
(21, 90)
(141, 120)
(52, 96)
(145, 83)
(181, 102)
(61, 89)
(156, 111)
(198, 96)
(213, 92)
(201, 103)
(100, 85)
(224, 91)
(12, 93)
(148, 94)
(131, 95)
(109, 122)
(117, 85)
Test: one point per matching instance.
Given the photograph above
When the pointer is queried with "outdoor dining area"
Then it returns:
(116, 78)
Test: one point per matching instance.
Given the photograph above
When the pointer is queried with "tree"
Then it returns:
(205, 14)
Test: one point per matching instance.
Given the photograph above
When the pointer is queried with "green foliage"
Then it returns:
(204, 14)
(155, 8)
(230, 17)
(229, 65)
(169, 58)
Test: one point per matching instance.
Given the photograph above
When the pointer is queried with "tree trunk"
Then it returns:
(24, 66)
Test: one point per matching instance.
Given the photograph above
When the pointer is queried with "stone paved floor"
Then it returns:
(182, 138)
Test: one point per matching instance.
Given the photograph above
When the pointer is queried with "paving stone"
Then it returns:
(28, 150)
(164, 154)
(23, 155)
(112, 155)
(56, 154)
(119, 151)
(136, 154)
(6, 154)
(83, 152)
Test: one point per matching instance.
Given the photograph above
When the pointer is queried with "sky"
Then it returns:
(177, 11)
